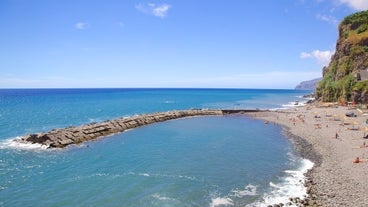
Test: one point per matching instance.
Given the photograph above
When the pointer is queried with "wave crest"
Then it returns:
(14, 143)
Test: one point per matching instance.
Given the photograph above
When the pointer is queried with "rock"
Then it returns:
(309, 189)
(74, 135)
(312, 202)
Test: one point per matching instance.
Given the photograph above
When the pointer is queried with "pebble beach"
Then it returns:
(332, 140)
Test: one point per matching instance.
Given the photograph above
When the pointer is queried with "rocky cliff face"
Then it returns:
(308, 85)
(346, 77)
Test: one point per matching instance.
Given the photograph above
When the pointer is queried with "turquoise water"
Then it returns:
(202, 161)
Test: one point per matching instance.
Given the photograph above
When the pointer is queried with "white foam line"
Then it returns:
(295, 104)
(249, 190)
(289, 187)
(221, 202)
(144, 174)
(12, 143)
(161, 197)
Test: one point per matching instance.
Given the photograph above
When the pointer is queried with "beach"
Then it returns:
(330, 139)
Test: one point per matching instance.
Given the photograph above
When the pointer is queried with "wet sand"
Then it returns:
(331, 140)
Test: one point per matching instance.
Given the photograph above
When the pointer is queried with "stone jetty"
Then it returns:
(59, 138)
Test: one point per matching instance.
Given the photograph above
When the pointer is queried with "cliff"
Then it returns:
(346, 77)
(308, 85)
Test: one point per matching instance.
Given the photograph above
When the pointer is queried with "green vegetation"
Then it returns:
(362, 28)
(332, 91)
(355, 26)
(357, 18)
(339, 83)
(361, 86)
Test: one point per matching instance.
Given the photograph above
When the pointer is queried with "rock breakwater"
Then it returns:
(59, 138)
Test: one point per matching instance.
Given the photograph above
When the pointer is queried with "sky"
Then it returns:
(167, 44)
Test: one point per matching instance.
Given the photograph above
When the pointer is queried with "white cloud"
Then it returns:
(356, 4)
(327, 18)
(81, 25)
(158, 10)
(323, 57)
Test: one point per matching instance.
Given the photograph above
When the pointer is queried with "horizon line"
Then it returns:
(219, 88)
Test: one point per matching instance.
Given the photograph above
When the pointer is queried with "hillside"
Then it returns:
(308, 85)
(346, 77)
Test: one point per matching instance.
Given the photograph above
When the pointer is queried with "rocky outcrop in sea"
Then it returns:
(59, 138)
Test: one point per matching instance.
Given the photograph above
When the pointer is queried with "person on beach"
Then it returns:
(356, 160)
(337, 135)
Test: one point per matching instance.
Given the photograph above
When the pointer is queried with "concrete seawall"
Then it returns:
(59, 138)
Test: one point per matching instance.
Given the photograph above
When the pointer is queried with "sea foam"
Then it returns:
(294, 104)
(290, 186)
(216, 202)
(13, 143)
(249, 190)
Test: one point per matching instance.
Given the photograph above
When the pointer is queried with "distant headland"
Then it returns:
(308, 85)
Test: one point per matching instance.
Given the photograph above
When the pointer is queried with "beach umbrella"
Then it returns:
(316, 114)
(336, 117)
(346, 121)
(364, 129)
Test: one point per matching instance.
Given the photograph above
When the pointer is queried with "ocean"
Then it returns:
(201, 161)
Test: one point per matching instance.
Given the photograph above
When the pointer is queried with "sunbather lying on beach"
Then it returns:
(357, 160)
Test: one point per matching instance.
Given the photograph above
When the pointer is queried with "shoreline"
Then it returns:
(334, 179)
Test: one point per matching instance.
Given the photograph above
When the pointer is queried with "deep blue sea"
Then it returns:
(202, 161)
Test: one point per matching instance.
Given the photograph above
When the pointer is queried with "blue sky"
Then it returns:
(187, 43)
